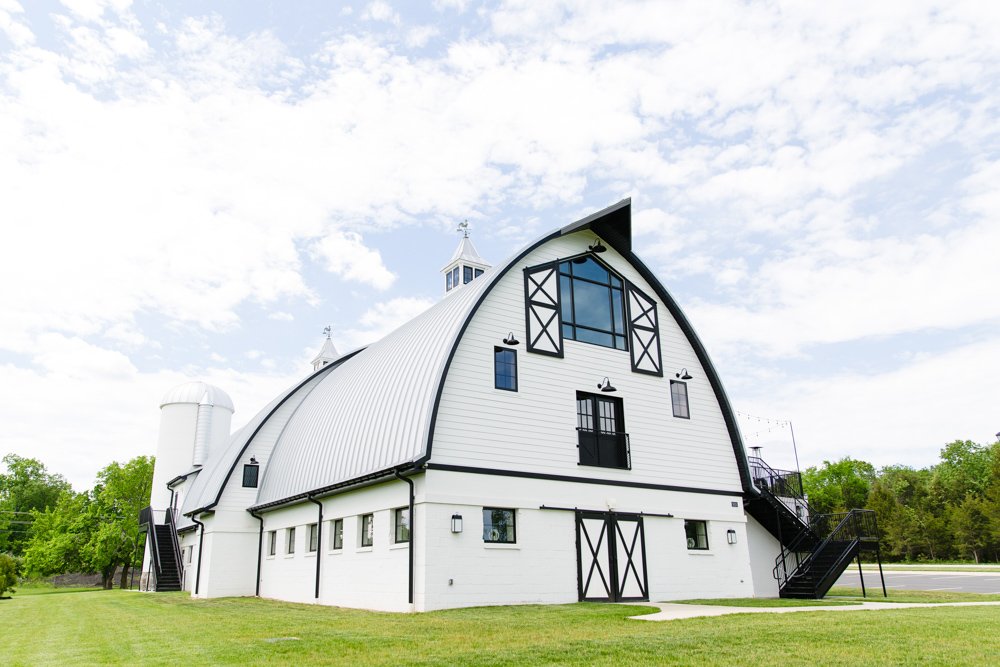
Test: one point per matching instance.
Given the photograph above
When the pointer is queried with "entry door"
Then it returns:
(611, 557)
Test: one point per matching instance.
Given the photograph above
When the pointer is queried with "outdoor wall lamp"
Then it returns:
(605, 385)
(598, 247)
(510, 340)
(731, 536)
(684, 375)
(456, 523)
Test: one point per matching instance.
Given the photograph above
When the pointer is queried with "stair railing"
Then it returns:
(780, 484)
(175, 544)
(146, 518)
(852, 527)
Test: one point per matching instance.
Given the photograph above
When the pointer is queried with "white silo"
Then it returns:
(194, 422)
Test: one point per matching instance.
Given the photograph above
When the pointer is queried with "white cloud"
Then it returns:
(281, 316)
(418, 36)
(380, 320)
(379, 10)
(346, 255)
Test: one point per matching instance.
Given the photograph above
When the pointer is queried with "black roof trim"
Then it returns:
(333, 489)
(181, 478)
(580, 480)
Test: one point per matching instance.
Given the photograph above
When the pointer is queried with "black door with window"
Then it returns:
(601, 431)
(611, 557)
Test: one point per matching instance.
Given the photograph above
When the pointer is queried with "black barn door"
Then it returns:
(611, 557)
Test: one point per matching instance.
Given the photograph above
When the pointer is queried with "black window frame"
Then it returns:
(290, 541)
(567, 299)
(398, 527)
(479, 272)
(312, 544)
(489, 527)
(367, 536)
(498, 363)
(675, 400)
(691, 534)
(448, 283)
(272, 543)
(251, 475)
(467, 275)
(337, 534)
(598, 446)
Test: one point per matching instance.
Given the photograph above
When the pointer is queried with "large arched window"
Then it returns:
(593, 309)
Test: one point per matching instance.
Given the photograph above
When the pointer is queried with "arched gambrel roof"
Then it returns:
(374, 413)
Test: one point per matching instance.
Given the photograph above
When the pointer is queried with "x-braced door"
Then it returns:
(611, 557)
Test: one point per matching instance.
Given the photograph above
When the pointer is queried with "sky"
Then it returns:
(195, 189)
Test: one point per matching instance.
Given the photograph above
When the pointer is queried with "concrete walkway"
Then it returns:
(671, 612)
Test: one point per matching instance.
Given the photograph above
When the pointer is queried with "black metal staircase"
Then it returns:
(166, 567)
(815, 548)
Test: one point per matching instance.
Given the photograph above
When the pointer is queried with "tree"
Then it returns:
(8, 573)
(964, 469)
(838, 487)
(25, 487)
(121, 492)
(971, 525)
(58, 537)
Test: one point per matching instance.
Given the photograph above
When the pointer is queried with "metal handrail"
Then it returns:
(175, 544)
(855, 526)
(779, 483)
(621, 440)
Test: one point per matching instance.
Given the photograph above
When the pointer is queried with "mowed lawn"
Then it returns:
(123, 627)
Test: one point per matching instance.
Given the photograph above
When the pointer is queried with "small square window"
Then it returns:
(466, 274)
(367, 530)
(679, 399)
(250, 473)
(337, 534)
(505, 369)
(498, 526)
(290, 541)
(313, 537)
(401, 522)
(697, 534)
(272, 542)
(479, 272)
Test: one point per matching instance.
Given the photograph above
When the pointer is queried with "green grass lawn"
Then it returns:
(122, 627)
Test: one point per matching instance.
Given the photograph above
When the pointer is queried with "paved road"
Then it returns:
(957, 582)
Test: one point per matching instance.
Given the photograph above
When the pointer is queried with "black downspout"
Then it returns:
(319, 540)
(260, 547)
(409, 481)
(201, 541)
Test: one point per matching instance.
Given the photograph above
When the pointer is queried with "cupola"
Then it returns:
(466, 265)
(327, 354)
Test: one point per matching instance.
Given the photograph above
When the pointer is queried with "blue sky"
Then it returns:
(193, 190)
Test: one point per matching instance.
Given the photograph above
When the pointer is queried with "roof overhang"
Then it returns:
(613, 224)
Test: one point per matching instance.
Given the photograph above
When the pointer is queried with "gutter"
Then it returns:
(201, 541)
(260, 548)
(319, 540)
(409, 593)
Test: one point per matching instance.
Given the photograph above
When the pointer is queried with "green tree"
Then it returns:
(25, 487)
(58, 537)
(121, 492)
(971, 526)
(8, 573)
(838, 487)
(964, 469)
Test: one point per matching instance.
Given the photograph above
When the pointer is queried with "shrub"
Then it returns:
(9, 567)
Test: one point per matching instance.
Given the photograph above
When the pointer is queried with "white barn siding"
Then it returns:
(764, 549)
(534, 429)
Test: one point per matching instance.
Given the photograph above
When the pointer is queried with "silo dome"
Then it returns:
(198, 393)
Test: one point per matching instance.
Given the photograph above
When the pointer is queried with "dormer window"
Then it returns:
(593, 307)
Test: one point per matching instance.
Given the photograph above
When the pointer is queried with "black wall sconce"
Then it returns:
(510, 340)
(456, 523)
(605, 385)
(597, 247)
(684, 375)
(731, 536)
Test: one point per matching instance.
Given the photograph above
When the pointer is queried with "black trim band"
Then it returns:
(615, 512)
(581, 480)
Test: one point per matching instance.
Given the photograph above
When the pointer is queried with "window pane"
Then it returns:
(566, 298)
(313, 537)
(505, 368)
(466, 274)
(591, 270)
(679, 399)
(403, 524)
(367, 530)
(591, 303)
(617, 311)
(338, 534)
(250, 476)
(272, 542)
(595, 337)
(479, 272)
(448, 283)
(584, 414)
(290, 547)
(498, 525)
(696, 533)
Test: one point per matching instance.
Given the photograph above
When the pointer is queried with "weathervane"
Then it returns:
(327, 331)
(464, 228)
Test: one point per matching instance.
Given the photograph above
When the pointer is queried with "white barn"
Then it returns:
(551, 431)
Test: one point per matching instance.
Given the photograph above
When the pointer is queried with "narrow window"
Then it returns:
(337, 534)
(454, 277)
(190, 555)
(313, 537)
(250, 471)
(505, 368)
(401, 521)
(290, 545)
(448, 282)
(466, 275)
(479, 272)
(697, 534)
(679, 399)
(498, 526)
(601, 436)
(367, 530)
(272, 542)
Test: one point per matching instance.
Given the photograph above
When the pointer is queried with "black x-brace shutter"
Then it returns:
(543, 320)
(644, 333)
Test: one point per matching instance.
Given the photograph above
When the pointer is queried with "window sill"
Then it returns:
(363, 550)
(399, 545)
(703, 552)
(334, 552)
(271, 557)
(502, 545)
(289, 556)
(311, 554)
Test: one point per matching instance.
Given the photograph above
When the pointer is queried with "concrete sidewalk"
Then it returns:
(671, 612)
